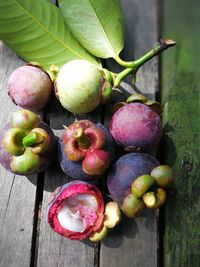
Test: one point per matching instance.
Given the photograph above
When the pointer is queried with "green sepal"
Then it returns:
(100, 235)
(117, 106)
(12, 141)
(163, 175)
(155, 106)
(25, 120)
(26, 163)
(137, 98)
(141, 185)
(132, 207)
(154, 200)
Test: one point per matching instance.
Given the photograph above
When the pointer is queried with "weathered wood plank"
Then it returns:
(17, 193)
(134, 243)
(181, 98)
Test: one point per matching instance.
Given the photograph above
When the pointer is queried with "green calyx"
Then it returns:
(132, 207)
(163, 175)
(154, 200)
(12, 141)
(16, 141)
(138, 98)
(25, 120)
(25, 163)
(25, 149)
(25, 142)
(141, 185)
(100, 235)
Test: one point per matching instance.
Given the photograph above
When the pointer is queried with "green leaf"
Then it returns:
(97, 24)
(36, 31)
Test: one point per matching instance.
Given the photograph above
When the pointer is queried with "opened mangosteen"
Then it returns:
(76, 211)
(86, 150)
(26, 144)
(136, 124)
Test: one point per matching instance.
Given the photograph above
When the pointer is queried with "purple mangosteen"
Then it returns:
(136, 126)
(26, 144)
(125, 170)
(86, 150)
(30, 87)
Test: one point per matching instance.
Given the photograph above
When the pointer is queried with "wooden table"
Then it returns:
(169, 237)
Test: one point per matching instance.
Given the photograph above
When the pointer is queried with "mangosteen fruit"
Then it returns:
(81, 86)
(76, 210)
(30, 87)
(125, 170)
(26, 144)
(136, 125)
(85, 150)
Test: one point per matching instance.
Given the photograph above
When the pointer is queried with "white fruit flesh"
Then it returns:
(78, 212)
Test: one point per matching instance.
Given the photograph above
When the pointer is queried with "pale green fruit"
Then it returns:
(79, 86)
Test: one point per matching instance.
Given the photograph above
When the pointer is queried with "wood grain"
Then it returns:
(134, 243)
(17, 193)
(181, 99)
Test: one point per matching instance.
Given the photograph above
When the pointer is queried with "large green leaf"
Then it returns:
(36, 31)
(97, 24)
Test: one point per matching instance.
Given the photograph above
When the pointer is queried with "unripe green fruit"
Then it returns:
(79, 86)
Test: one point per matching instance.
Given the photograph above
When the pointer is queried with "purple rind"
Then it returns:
(136, 127)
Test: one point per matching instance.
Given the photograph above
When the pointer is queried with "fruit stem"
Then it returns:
(133, 66)
(32, 139)
(82, 139)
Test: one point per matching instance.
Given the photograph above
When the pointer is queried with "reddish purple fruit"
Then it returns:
(76, 210)
(85, 150)
(125, 170)
(136, 127)
(30, 87)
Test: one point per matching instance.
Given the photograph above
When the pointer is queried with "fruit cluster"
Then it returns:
(85, 151)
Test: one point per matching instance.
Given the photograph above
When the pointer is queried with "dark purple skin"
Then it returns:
(74, 169)
(48, 156)
(125, 170)
(136, 127)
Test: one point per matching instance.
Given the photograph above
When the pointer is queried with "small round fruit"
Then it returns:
(125, 170)
(163, 175)
(30, 87)
(79, 86)
(136, 127)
